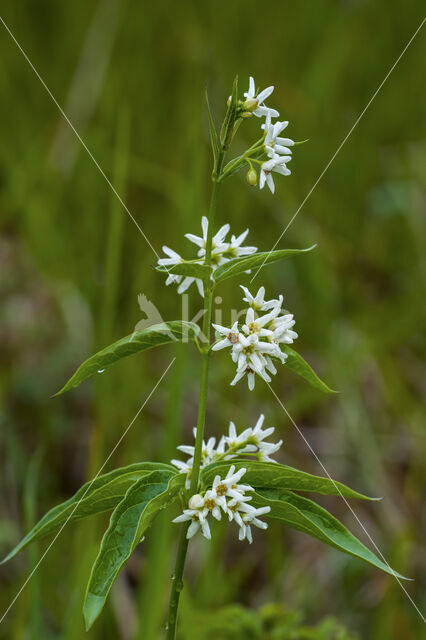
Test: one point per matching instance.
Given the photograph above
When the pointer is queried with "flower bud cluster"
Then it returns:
(225, 496)
(276, 151)
(256, 345)
(250, 442)
(222, 251)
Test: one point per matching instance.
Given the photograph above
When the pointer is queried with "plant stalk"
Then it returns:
(202, 405)
(177, 584)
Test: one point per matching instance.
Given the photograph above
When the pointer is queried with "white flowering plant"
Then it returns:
(231, 477)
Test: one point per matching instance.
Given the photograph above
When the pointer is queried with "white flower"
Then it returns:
(249, 356)
(212, 504)
(222, 251)
(186, 283)
(252, 440)
(249, 350)
(218, 244)
(184, 467)
(236, 509)
(257, 325)
(232, 336)
(196, 502)
(256, 344)
(266, 449)
(229, 486)
(207, 450)
(283, 332)
(227, 494)
(258, 302)
(274, 145)
(245, 371)
(251, 518)
(234, 248)
(223, 493)
(258, 434)
(235, 441)
(198, 520)
(260, 97)
(173, 259)
(277, 164)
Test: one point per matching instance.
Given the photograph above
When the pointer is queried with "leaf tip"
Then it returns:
(11, 554)
(91, 609)
(397, 575)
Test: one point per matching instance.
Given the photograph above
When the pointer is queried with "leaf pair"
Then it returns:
(233, 267)
(138, 492)
(274, 486)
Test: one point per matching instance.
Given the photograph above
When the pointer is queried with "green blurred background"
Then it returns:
(131, 76)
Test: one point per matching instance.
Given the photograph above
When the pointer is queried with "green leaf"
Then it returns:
(213, 134)
(177, 330)
(132, 516)
(296, 363)
(191, 269)
(307, 516)
(237, 266)
(273, 475)
(101, 494)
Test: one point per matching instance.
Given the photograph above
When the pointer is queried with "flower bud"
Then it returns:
(250, 105)
(251, 177)
(196, 501)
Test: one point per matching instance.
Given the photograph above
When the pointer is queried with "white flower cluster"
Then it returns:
(226, 496)
(276, 147)
(222, 251)
(256, 344)
(250, 442)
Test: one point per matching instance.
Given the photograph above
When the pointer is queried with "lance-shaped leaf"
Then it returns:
(190, 269)
(101, 494)
(296, 363)
(129, 521)
(237, 266)
(273, 475)
(307, 516)
(214, 139)
(157, 334)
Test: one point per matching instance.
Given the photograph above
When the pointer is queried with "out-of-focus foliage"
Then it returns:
(271, 622)
(132, 78)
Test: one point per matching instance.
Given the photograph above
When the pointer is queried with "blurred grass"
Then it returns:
(65, 287)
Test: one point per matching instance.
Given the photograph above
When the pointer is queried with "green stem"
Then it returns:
(202, 404)
(177, 584)
(244, 158)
